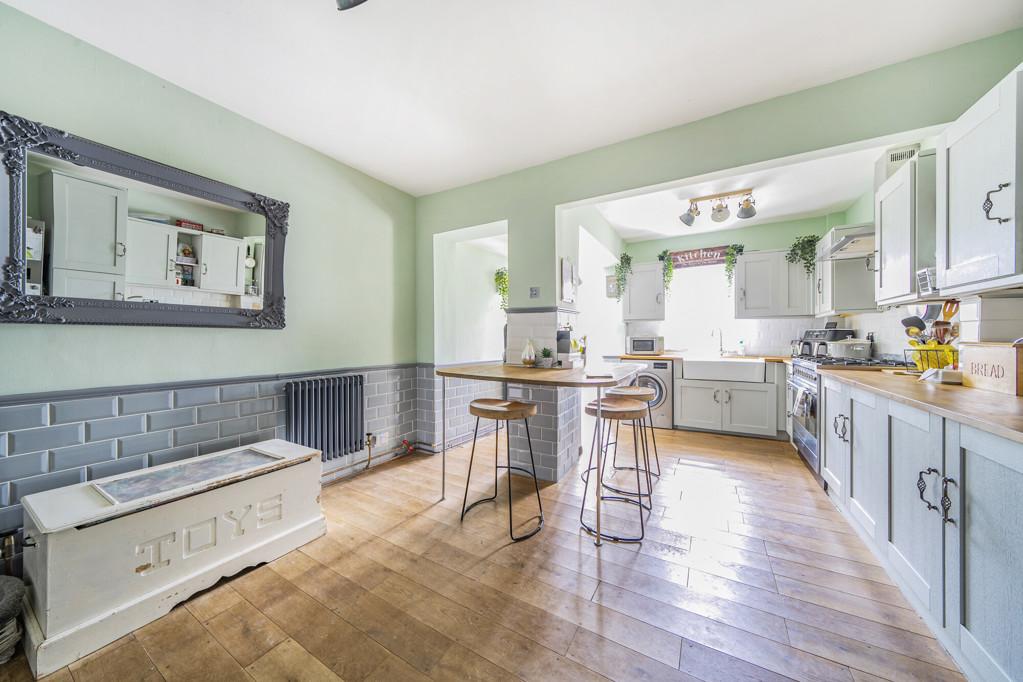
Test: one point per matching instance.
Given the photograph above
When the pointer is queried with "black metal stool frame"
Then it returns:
(645, 469)
(510, 468)
(594, 446)
(653, 438)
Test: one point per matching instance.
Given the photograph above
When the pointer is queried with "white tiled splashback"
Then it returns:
(760, 337)
(541, 327)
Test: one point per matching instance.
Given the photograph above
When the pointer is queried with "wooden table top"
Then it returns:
(990, 411)
(520, 374)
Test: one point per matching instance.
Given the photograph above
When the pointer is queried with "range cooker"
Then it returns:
(804, 393)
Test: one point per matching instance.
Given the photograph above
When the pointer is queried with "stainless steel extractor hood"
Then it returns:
(854, 244)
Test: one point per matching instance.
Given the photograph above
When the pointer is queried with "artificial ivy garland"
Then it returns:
(731, 254)
(804, 250)
(623, 268)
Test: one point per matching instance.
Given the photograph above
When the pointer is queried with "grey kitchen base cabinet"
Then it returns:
(983, 551)
(730, 406)
(939, 503)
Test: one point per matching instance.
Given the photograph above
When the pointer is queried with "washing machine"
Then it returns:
(658, 375)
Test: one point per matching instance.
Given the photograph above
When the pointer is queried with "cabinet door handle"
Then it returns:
(834, 425)
(716, 391)
(171, 268)
(204, 268)
(728, 396)
(921, 485)
(659, 299)
(946, 501)
(123, 250)
(820, 281)
(988, 204)
(845, 429)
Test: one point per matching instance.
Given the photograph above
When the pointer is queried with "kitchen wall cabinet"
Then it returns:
(152, 248)
(222, 264)
(85, 284)
(983, 534)
(841, 286)
(732, 406)
(644, 293)
(979, 194)
(904, 219)
(766, 285)
(87, 223)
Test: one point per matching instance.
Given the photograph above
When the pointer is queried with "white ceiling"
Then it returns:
(792, 191)
(428, 95)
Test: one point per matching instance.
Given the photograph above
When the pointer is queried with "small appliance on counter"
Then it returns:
(815, 341)
(644, 345)
(850, 349)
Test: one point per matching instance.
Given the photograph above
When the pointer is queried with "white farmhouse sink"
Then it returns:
(730, 369)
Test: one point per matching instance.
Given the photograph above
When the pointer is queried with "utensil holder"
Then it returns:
(931, 357)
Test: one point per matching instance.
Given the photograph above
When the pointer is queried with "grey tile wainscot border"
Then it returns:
(58, 438)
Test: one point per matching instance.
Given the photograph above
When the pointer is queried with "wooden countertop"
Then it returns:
(996, 413)
(519, 374)
(678, 355)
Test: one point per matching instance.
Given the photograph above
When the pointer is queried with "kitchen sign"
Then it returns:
(691, 258)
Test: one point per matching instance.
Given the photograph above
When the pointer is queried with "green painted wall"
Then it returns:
(862, 210)
(755, 238)
(350, 270)
(926, 91)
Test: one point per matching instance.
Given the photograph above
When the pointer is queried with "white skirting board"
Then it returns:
(94, 583)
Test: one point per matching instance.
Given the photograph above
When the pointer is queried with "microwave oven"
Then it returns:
(644, 345)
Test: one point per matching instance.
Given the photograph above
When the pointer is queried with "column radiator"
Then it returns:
(327, 414)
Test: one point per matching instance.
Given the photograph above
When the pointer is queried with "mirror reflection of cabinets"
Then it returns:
(96, 235)
(103, 241)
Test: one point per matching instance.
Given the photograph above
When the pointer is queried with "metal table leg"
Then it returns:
(443, 436)
(600, 465)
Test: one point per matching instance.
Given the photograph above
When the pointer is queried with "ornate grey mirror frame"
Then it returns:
(18, 136)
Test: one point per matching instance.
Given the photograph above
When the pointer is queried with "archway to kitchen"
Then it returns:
(803, 196)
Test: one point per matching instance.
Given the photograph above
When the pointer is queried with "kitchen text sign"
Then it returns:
(708, 255)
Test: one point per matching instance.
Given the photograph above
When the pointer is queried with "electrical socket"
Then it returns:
(534, 292)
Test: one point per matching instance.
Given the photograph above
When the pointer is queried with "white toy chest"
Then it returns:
(116, 553)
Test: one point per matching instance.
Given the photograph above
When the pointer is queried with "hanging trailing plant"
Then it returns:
(667, 269)
(623, 268)
(731, 254)
(501, 284)
(804, 250)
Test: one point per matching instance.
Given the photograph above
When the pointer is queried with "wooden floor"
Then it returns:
(748, 573)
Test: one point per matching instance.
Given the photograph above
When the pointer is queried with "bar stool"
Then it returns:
(647, 395)
(506, 411)
(619, 409)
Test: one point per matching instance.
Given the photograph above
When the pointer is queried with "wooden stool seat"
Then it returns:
(644, 393)
(621, 409)
(502, 410)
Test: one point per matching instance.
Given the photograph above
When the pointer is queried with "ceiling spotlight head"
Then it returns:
(747, 207)
(348, 4)
(720, 212)
(689, 217)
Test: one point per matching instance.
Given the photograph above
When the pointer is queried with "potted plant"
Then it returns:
(623, 268)
(731, 254)
(546, 357)
(804, 250)
(667, 269)
(501, 284)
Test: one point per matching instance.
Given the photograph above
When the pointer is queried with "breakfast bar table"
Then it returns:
(608, 376)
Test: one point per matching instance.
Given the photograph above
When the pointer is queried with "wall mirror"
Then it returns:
(100, 236)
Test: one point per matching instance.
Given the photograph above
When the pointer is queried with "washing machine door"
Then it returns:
(655, 382)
